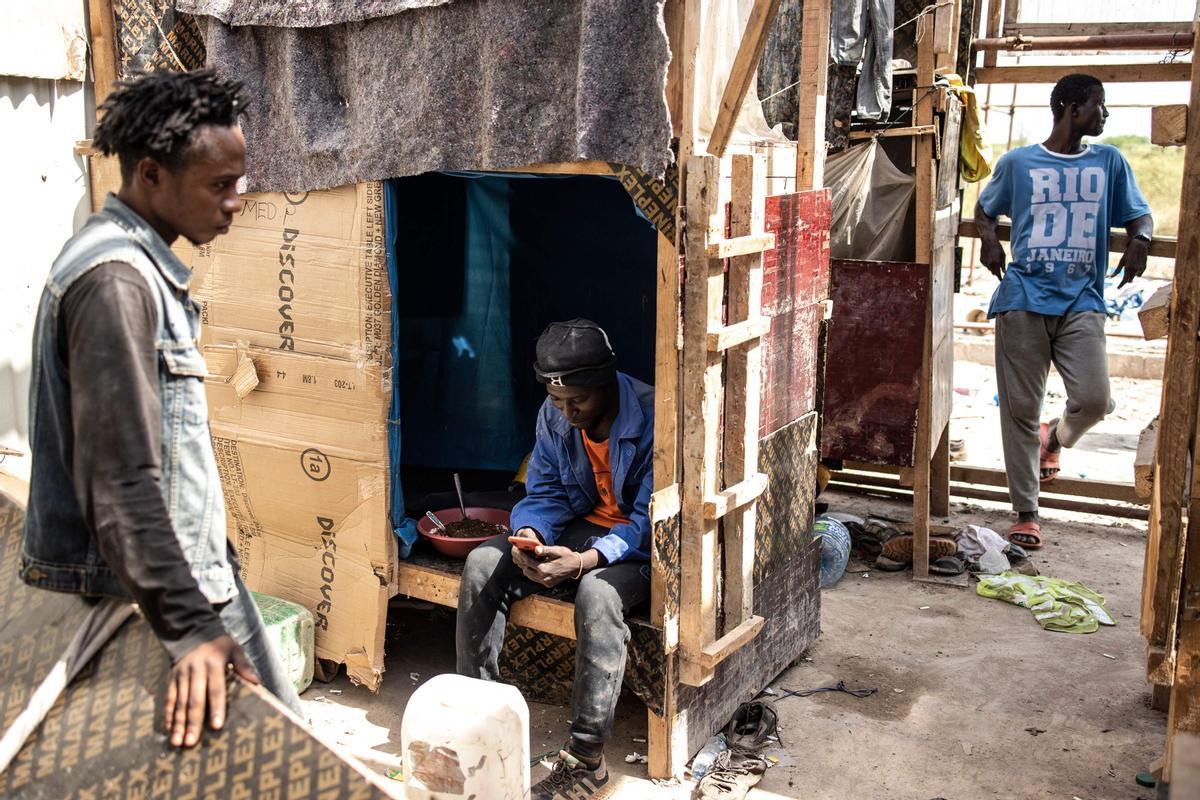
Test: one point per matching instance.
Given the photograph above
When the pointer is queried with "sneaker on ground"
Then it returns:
(571, 779)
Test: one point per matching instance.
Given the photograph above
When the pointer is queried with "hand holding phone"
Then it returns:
(524, 543)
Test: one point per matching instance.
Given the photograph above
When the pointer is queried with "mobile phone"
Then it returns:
(524, 543)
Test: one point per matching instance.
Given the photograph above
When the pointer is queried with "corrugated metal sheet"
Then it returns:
(43, 199)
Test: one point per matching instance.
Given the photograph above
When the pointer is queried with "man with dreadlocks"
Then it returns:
(1062, 195)
(124, 494)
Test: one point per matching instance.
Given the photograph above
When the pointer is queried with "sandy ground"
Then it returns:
(960, 679)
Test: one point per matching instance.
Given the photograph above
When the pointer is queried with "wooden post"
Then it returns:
(104, 48)
(995, 10)
(743, 384)
(814, 75)
(925, 186)
(704, 284)
(745, 64)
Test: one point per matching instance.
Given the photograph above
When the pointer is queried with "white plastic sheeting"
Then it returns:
(871, 197)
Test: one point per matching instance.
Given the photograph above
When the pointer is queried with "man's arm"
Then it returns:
(545, 507)
(991, 252)
(1133, 260)
(109, 322)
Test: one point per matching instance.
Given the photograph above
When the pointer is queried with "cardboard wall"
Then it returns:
(295, 305)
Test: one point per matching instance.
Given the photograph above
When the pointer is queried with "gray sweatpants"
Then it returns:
(1026, 345)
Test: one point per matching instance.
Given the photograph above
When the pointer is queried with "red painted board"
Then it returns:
(873, 361)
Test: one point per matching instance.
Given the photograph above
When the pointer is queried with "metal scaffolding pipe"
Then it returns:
(1107, 41)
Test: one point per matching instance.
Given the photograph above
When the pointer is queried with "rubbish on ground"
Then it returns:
(395, 774)
(414, 676)
(898, 691)
(636, 740)
(993, 562)
(733, 774)
(1057, 605)
(1106, 655)
(335, 691)
(1145, 779)
(975, 540)
(1035, 731)
(635, 758)
(966, 748)
(924, 608)
(707, 755)
(839, 687)
(835, 548)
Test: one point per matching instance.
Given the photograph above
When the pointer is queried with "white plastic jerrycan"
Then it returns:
(465, 738)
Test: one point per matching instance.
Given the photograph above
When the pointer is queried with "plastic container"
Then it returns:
(703, 761)
(835, 549)
(452, 547)
(464, 738)
(290, 628)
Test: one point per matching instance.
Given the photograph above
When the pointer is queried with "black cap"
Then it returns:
(575, 353)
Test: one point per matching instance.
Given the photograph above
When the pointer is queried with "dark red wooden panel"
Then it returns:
(873, 361)
(795, 282)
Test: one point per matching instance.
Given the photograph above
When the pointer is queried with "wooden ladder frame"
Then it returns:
(721, 490)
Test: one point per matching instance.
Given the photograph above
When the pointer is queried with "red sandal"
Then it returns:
(1030, 533)
(1047, 461)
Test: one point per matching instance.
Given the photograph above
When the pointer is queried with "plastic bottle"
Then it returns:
(703, 761)
(835, 549)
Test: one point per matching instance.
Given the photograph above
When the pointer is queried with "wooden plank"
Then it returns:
(1177, 417)
(742, 245)
(1090, 28)
(664, 503)
(995, 9)
(1118, 241)
(563, 168)
(731, 336)
(704, 285)
(1179, 71)
(1183, 718)
(745, 65)
(743, 383)
(948, 174)
(939, 476)
(1143, 460)
(1168, 125)
(540, 613)
(1155, 314)
(912, 130)
(943, 26)
(737, 496)
(925, 178)
(810, 124)
(104, 48)
(730, 643)
(1012, 13)
(986, 476)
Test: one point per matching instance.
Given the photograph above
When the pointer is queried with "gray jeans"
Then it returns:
(1026, 345)
(492, 582)
(243, 622)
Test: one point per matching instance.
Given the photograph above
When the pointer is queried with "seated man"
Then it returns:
(589, 483)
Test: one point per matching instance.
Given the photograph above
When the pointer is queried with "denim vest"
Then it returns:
(59, 550)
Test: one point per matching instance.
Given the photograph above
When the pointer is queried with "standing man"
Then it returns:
(124, 495)
(1062, 196)
(589, 482)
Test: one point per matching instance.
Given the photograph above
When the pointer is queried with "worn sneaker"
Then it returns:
(571, 779)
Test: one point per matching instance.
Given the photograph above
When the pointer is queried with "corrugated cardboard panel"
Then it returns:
(301, 273)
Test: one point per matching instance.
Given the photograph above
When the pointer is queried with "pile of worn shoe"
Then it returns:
(879, 542)
(741, 766)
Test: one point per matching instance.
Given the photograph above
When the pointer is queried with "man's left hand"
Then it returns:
(552, 565)
(1133, 261)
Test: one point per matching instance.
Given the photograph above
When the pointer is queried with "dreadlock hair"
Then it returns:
(156, 114)
(1071, 89)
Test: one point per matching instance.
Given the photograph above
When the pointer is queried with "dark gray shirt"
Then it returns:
(108, 321)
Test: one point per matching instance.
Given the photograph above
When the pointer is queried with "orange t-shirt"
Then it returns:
(607, 513)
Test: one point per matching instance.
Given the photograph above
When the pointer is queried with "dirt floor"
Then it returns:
(974, 699)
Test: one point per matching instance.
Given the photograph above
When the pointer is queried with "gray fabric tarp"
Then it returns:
(871, 199)
(290, 14)
(467, 85)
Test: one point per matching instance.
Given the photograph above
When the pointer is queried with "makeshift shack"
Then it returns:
(596, 159)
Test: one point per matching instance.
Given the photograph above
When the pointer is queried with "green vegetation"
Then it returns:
(1159, 172)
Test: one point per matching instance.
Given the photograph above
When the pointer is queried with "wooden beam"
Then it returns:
(1090, 28)
(1179, 71)
(918, 130)
(745, 64)
(1118, 241)
(741, 245)
(1155, 314)
(1168, 125)
(730, 643)
(1143, 460)
(704, 290)
(1074, 487)
(104, 48)
(1177, 417)
(664, 503)
(735, 497)
(995, 9)
(743, 383)
(562, 168)
(731, 336)
(814, 76)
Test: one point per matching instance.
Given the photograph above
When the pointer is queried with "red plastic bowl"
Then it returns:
(459, 548)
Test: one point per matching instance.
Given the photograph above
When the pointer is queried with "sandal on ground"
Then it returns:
(885, 564)
(1030, 534)
(1048, 462)
(948, 565)
(900, 548)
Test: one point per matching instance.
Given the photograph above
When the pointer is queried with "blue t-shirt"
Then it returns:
(1061, 209)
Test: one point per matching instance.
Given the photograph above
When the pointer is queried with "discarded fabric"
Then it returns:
(1057, 605)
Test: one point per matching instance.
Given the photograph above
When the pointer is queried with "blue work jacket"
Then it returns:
(561, 486)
